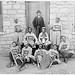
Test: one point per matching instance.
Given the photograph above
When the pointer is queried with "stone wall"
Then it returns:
(11, 10)
(65, 11)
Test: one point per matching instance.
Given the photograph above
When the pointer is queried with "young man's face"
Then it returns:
(43, 30)
(30, 30)
(57, 20)
(64, 39)
(13, 44)
(40, 46)
(26, 45)
(54, 47)
(38, 14)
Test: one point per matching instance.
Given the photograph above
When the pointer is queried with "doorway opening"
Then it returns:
(31, 9)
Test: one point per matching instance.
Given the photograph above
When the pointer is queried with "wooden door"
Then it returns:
(31, 9)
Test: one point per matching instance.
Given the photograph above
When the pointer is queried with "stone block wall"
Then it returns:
(11, 10)
(65, 11)
(16, 10)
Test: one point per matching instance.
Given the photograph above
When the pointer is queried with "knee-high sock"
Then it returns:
(24, 62)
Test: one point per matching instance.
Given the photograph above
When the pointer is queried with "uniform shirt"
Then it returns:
(64, 45)
(43, 37)
(27, 51)
(18, 37)
(15, 50)
(57, 26)
(53, 53)
(30, 37)
(39, 52)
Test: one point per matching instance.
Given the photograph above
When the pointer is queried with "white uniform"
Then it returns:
(27, 52)
(65, 46)
(55, 56)
(53, 53)
(56, 33)
(43, 38)
(30, 37)
(39, 54)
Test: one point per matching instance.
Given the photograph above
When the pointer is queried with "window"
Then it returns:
(1, 18)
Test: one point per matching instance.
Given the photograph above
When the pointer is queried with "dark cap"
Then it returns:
(38, 11)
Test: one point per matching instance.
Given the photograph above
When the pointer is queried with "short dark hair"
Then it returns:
(57, 18)
(55, 45)
(41, 45)
(14, 42)
(63, 36)
(30, 28)
(44, 28)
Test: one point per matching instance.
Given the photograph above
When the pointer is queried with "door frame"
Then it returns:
(46, 17)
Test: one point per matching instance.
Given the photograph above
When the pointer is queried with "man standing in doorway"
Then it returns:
(56, 31)
(38, 23)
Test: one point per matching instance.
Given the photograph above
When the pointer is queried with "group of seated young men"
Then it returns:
(32, 49)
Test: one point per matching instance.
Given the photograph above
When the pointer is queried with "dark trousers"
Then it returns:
(65, 55)
(38, 31)
(11, 57)
(25, 61)
(47, 47)
(19, 61)
(22, 45)
(34, 49)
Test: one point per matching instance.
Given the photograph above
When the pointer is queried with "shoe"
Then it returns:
(9, 65)
(65, 60)
(39, 66)
(19, 68)
(26, 66)
(34, 64)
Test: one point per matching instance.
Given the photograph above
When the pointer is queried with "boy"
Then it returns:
(44, 39)
(39, 55)
(64, 49)
(14, 50)
(56, 31)
(18, 36)
(32, 39)
(26, 55)
(54, 55)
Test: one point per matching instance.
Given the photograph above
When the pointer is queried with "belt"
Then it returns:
(56, 30)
